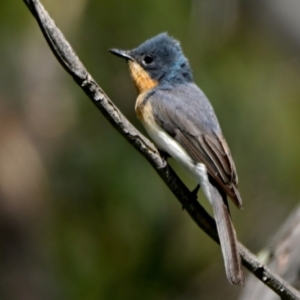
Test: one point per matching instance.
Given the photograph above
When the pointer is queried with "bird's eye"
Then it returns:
(147, 60)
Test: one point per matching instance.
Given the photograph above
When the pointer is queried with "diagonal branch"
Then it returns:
(68, 59)
(282, 256)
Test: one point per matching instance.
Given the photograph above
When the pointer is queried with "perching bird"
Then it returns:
(181, 121)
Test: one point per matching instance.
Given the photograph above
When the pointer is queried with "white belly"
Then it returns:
(166, 143)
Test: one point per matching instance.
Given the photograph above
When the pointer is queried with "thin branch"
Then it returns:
(282, 256)
(68, 59)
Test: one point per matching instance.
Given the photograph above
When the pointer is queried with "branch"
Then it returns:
(68, 59)
(282, 256)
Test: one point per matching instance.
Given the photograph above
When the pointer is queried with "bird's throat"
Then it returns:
(142, 80)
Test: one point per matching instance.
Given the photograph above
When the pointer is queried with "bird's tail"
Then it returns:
(227, 236)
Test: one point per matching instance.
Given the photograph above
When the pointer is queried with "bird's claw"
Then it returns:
(164, 154)
(193, 196)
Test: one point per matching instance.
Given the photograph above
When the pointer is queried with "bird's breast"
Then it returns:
(143, 109)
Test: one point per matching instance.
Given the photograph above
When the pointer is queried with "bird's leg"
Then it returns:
(165, 155)
(193, 196)
(195, 191)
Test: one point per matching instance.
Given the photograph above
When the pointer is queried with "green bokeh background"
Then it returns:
(82, 214)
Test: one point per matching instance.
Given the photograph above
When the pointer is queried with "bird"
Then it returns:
(182, 123)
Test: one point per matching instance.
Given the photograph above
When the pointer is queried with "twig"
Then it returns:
(282, 256)
(68, 59)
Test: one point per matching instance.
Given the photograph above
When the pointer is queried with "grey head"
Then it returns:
(162, 58)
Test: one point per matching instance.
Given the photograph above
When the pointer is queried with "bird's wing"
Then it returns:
(185, 114)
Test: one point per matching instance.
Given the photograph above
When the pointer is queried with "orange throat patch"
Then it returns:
(142, 80)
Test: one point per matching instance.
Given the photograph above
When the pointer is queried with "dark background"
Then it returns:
(82, 214)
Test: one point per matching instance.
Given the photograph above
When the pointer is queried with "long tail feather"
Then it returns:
(228, 240)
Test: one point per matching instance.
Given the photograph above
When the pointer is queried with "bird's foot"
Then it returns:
(193, 196)
(165, 155)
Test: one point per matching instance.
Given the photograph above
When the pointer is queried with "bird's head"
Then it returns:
(159, 60)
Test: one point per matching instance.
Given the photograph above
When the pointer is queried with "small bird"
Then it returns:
(182, 123)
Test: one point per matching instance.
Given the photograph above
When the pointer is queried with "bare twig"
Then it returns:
(68, 59)
(282, 256)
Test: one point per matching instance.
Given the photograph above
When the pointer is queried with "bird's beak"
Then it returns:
(122, 53)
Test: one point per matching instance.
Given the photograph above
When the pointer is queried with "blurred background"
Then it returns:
(82, 214)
